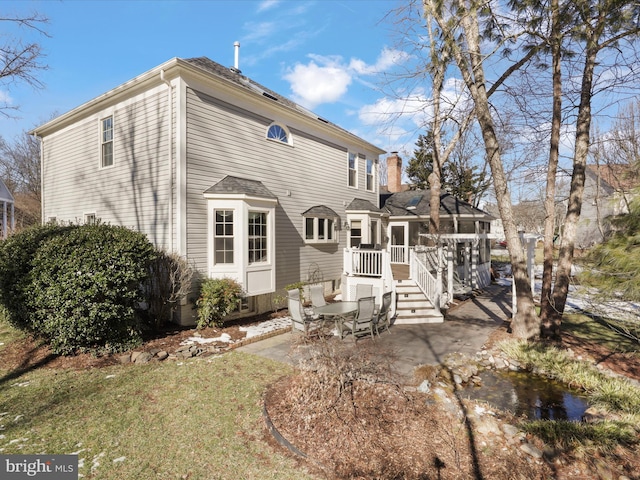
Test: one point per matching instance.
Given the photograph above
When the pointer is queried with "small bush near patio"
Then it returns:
(218, 298)
(86, 286)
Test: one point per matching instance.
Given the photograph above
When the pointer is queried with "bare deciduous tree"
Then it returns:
(21, 61)
(20, 170)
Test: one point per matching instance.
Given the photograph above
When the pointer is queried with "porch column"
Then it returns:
(450, 267)
(474, 263)
(4, 219)
(467, 269)
(531, 257)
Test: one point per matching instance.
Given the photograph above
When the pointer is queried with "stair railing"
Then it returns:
(431, 286)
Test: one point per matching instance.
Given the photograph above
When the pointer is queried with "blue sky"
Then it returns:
(326, 55)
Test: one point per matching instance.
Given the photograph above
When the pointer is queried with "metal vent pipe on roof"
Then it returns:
(236, 62)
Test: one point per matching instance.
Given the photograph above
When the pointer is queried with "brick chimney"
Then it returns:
(394, 173)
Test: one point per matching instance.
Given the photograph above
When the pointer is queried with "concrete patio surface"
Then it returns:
(466, 329)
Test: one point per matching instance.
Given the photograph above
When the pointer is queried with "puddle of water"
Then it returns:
(527, 395)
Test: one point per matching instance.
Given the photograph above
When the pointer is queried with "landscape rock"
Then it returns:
(126, 358)
(531, 450)
(161, 355)
(143, 357)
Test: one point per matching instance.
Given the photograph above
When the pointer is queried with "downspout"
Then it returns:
(170, 155)
(35, 134)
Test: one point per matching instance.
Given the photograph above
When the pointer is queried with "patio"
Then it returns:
(466, 329)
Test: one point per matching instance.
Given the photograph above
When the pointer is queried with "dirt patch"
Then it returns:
(28, 353)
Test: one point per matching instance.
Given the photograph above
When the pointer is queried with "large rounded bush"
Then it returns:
(86, 287)
(16, 262)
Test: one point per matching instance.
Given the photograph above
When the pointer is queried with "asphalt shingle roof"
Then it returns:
(399, 204)
(360, 204)
(320, 211)
(236, 185)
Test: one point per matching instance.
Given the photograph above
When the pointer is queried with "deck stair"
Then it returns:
(412, 306)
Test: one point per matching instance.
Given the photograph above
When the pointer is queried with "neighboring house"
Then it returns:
(607, 191)
(211, 165)
(8, 219)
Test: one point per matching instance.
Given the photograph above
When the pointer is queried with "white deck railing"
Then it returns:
(431, 286)
(398, 254)
(365, 262)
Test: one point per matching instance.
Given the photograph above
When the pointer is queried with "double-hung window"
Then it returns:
(353, 169)
(355, 233)
(106, 137)
(370, 175)
(257, 237)
(223, 237)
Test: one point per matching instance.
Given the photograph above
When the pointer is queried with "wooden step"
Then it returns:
(413, 307)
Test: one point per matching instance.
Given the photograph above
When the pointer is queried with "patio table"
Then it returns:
(337, 311)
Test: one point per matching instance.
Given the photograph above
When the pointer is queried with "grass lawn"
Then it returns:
(594, 330)
(198, 419)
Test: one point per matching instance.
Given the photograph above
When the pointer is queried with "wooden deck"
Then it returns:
(400, 271)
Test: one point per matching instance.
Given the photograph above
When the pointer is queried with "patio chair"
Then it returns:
(300, 320)
(317, 296)
(295, 293)
(362, 323)
(381, 319)
(363, 290)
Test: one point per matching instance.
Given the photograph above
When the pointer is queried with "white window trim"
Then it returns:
(214, 236)
(90, 216)
(355, 155)
(316, 219)
(373, 175)
(113, 141)
(279, 142)
(240, 270)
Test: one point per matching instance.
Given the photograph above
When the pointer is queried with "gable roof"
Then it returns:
(616, 177)
(207, 70)
(416, 203)
(361, 205)
(5, 194)
(230, 185)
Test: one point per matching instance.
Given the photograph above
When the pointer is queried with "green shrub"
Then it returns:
(218, 298)
(16, 262)
(86, 287)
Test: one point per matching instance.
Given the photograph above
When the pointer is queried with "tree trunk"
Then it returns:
(525, 323)
(546, 309)
(434, 202)
(583, 125)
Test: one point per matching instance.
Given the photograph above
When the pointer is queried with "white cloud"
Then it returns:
(387, 59)
(313, 84)
(267, 5)
(258, 31)
(325, 79)
(413, 109)
(5, 98)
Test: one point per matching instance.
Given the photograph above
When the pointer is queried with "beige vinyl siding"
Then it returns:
(225, 140)
(134, 191)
